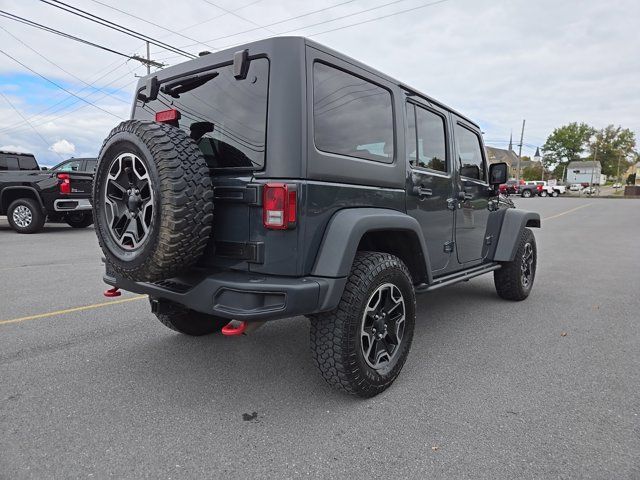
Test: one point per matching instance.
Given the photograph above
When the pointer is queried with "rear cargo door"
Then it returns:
(225, 113)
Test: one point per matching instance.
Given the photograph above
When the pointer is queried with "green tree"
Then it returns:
(532, 172)
(566, 144)
(615, 147)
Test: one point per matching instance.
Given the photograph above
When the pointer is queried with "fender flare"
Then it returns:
(3, 207)
(347, 227)
(513, 223)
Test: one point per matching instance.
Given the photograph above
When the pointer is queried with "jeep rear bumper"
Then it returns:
(242, 296)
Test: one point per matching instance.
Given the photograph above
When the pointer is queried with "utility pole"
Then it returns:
(593, 168)
(148, 60)
(520, 148)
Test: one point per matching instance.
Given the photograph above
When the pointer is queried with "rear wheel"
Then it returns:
(514, 279)
(543, 193)
(79, 219)
(555, 193)
(361, 346)
(26, 216)
(189, 322)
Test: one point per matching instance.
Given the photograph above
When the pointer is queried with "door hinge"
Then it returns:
(448, 246)
(451, 204)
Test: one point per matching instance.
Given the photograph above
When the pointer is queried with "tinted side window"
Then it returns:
(11, 163)
(351, 116)
(91, 165)
(432, 150)
(3, 162)
(470, 161)
(27, 163)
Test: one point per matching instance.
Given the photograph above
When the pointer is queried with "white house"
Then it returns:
(585, 172)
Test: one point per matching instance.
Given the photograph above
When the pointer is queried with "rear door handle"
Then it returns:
(422, 191)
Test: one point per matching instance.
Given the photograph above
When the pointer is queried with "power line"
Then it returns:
(377, 18)
(114, 26)
(47, 118)
(357, 23)
(279, 22)
(55, 64)
(238, 16)
(25, 119)
(152, 23)
(26, 21)
(57, 84)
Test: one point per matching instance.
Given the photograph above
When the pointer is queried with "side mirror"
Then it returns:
(44, 168)
(498, 173)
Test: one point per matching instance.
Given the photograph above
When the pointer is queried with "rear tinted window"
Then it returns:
(28, 163)
(91, 165)
(237, 110)
(351, 116)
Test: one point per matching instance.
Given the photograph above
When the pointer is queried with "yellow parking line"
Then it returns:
(71, 310)
(568, 211)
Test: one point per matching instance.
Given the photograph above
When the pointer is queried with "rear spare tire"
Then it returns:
(152, 200)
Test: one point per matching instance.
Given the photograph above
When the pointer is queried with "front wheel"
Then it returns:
(362, 345)
(26, 216)
(514, 279)
(526, 193)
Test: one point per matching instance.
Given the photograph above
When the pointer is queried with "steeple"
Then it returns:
(511, 142)
(537, 155)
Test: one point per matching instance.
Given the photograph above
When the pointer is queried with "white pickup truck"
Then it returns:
(548, 190)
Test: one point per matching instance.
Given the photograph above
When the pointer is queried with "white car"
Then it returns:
(617, 185)
(589, 190)
(575, 187)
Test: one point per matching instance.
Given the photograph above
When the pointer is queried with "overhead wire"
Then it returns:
(45, 141)
(31, 23)
(239, 16)
(55, 64)
(163, 27)
(114, 26)
(57, 84)
(42, 117)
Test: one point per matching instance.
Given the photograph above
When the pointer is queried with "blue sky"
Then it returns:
(497, 61)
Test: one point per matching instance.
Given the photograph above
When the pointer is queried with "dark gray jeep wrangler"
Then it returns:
(282, 178)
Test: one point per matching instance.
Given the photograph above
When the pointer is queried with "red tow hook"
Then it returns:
(234, 328)
(112, 292)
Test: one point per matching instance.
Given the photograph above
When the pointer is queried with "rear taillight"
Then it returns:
(168, 116)
(64, 183)
(279, 202)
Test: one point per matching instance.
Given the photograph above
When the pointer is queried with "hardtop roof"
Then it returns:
(258, 46)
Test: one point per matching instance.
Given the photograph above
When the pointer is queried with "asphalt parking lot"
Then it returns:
(546, 388)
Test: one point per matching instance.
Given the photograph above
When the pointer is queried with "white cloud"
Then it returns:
(14, 148)
(63, 147)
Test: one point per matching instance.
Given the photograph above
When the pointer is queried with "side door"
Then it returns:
(429, 179)
(473, 193)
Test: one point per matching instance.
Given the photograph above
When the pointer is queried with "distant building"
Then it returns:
(585, 172)
(497, 155)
